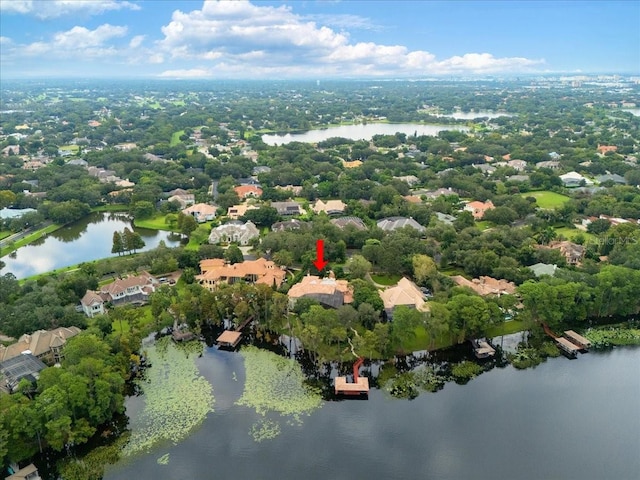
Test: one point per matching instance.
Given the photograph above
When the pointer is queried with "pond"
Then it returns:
(569, 419)
(82, 241)
(359, 132)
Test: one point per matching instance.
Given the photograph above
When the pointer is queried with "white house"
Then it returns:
(236, 231)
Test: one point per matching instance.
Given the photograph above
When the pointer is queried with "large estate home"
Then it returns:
(478, 209)
(202, 212)
(46, 345)
(288, 208)
(182, 197)
(246, 191)
(486, 285)
(328, 291)
(572, 252)
(390, 224)
(404, 293)
(234, 231)
(216, 271)
(330, 207)
(123, 290)
(236, 211)
(344, 222)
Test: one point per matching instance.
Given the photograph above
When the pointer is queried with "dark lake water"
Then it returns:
(565, 419)
(85, 240)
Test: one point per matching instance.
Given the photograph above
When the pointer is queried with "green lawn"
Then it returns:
(29, 238)
(547, 199)
(571, 233)
(175, 138)
(70, 148)
(386, 279)
(483, 225)
(155, 223)
(5, 234)
(111, 208)
(507, 328)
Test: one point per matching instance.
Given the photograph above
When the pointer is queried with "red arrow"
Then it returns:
(319, 261)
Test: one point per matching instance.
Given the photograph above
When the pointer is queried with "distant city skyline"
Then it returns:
(316, 38)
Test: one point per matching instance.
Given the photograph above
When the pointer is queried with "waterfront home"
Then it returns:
(46, 345)
(92, 304)
(216, 271)
(328, 291)
(182, 197)
(486, 285)
(202, 212)
(235, 231)
(406, 293)
(12, 371)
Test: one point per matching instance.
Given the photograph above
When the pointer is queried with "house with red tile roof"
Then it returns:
(216, 271)
(478, 209)
(245, 191)
(602, 149)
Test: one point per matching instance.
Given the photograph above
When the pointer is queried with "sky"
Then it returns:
(315, 39)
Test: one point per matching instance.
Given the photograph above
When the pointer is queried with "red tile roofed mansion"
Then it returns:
(478, 209)
(245, 191)
(216, 271)
(602, 149)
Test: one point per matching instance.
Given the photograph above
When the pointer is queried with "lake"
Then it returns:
(633, 111)
(359, 132)
(570, 419)
(473, 115)
(82, 241)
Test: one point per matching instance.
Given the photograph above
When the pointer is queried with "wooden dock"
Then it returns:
(229, 339)
(577, 339)
(482, 349)
(566, 346)
(359, 386)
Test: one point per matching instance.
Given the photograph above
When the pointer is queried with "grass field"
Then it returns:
(28, 239)
(5, 234)
(571, 233)
(70, 148)
(175, 138)
(547, 199)
(507, 328)
(483, 225)
(155, 223)
(386, 279)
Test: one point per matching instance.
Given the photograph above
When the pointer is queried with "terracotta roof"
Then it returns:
(404, 293)
(486, 285)
(244, 191)
(267, 272)
(314, 285)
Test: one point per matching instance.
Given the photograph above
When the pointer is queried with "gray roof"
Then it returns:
(540, 269)
(393, 223)
(23, 366)
(614, 177)
(343, 222)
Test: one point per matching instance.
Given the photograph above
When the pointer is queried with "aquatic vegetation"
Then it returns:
(163, 460)
(92, 465)
(528, 356)
(464, 371)
(275, 385)
(409, 384)
(264, 430)
(611, 336)
(177, 397)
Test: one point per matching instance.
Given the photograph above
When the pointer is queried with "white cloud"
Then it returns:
(187, 73)
(78, 42)
(47, 9)
(239, 37)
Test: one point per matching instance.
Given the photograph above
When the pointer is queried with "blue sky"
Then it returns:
(315, 38)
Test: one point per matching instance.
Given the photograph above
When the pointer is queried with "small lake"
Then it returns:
(473, 115)
(359, 132)
(82, 241)
(633, 111)
(569, 419)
